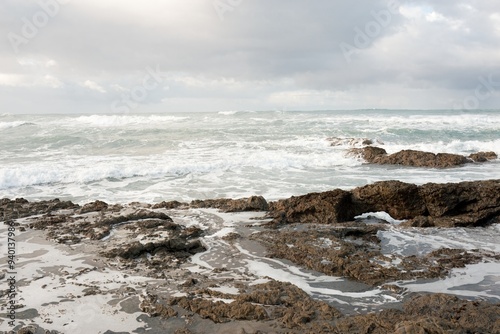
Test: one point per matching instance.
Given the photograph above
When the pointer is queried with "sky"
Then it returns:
(117, 56)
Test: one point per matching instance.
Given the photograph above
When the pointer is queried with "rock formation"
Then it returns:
(451, 204)
(413, 158)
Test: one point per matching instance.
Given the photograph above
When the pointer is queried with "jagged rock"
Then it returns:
(369, 153)
(254, 203)
(323, 208)
(400, 200)
(436, 313)
(170, 205)
(94, 206)
(18, 208)
(452, 204)
(355, 252)
(274, 300)
(136, 249)
(415, 158)
(483, 156)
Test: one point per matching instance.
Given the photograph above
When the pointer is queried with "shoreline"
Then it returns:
(246, 265)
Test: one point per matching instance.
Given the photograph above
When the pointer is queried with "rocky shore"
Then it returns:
(317, 263)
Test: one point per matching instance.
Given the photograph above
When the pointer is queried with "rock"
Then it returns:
(19, 208)
(93, 206)
(478, 200)
(473, 203)
(254, 203)
(483, 156)
(369, 153)
(470, 316)
(284, 302)
(173, 245)
(437, 313)
(415, 158)
(400, 200)
(322, 208)
(170, 205)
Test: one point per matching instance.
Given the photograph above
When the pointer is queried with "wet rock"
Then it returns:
(483, 156)
(355, 252)
(173, 245)
(141, 214)
(19, 208)
(283, 302)
(254, 203)
(323, 208)
(471, 316)
(151, 306)
(170, 205)
(475, 203)
(400, 200)
(231, 237)
(415, 158)
(369, 153)
(94, 206)
(437, 313)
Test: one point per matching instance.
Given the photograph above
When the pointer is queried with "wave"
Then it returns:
(126, 120)
(234, 112)
(230, 112)
(464, 147)
(14, 124)
(81, 170)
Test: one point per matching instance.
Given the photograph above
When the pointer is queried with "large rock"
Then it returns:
(400, 200)
(452, 204)
(323, 208)
(459, 204)
(413, 158)
(483, 156)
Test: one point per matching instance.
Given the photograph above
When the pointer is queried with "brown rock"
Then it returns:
(18, 208)
(322, 208)
(93, 206)
(452, 204)
(170, 205)
(369, 153)
(415, 158)
(471, 316)
(400, 200)
(483, 156)
(453, 199)
(254, 203)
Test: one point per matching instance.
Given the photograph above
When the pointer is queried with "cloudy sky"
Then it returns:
(103, 56)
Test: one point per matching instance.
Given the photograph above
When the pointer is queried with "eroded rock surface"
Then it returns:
(354, 251)
(253, 203)
(413, 158)
(474, 203)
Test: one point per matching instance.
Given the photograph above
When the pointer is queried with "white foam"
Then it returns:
(466, 282)
(14, 124)
(380, 215)
(127, 120)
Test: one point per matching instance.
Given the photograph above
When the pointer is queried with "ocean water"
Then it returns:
(185, 156)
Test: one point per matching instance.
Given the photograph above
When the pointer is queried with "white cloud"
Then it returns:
(13, 80)
(92, 85)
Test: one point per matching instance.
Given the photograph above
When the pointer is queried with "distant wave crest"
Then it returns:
(15, 124)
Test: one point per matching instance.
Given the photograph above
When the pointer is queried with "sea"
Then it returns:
(121, 158)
